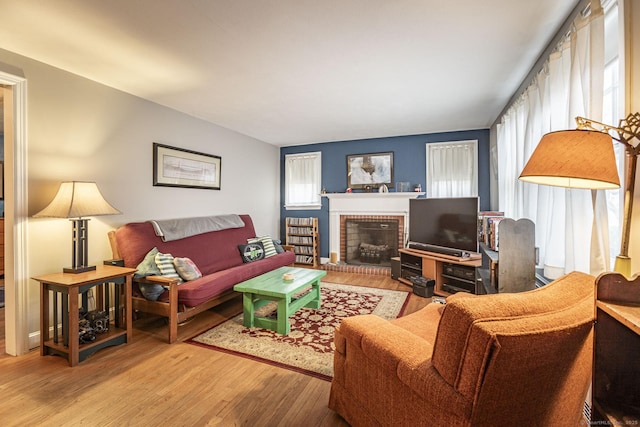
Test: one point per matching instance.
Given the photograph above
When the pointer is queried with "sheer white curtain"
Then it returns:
(570, 85)
(303, 178)
(452, 169)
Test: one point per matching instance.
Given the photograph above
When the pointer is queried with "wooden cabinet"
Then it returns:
(451, 274)
(302, 235)
(616, 362)
(513, 268)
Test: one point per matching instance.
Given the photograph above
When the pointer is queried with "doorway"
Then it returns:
(16, 272)
(3, 88)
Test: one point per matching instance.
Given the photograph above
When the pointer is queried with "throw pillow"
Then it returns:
(186, 268)
(251, 251)
(147, 266)
(269, 248)
(278, 245)
(165, 264)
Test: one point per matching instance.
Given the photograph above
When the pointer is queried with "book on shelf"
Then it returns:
(300, 221)
(487, 227)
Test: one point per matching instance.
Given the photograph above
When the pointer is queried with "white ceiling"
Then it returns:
(291, 72)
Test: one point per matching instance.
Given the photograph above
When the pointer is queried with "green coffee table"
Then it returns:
(272, 287)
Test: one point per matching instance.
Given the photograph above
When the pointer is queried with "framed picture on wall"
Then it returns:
(369, 170)
(178, 167)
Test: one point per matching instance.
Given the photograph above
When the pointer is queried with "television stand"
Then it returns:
(451, 274)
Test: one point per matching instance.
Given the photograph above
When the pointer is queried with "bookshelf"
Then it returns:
(616, 366)
(302, 234)
(513, 268)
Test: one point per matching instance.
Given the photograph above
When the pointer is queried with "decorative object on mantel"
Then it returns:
(369, 170)
(403, 186)
(584, 158)
(76, 200)
(178, 167)
(383, 189)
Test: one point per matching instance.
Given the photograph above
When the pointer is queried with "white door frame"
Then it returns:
(16, 222)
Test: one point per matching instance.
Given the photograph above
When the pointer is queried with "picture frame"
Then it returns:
(369, 171)
(179, 167)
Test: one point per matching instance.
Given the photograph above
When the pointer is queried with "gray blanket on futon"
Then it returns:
(174, 229)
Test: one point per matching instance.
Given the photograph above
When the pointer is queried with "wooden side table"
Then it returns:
(69, 288)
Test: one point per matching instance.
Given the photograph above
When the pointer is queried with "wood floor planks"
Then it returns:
(149, 382)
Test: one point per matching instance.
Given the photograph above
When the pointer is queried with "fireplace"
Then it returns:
(381, 207)
(371, 241)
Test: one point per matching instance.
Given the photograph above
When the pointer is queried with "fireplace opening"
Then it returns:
(372, 242)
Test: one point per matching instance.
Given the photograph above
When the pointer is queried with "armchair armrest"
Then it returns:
(384, 343)
(403, 354)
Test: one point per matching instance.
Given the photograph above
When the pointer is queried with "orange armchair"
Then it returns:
(491, 360)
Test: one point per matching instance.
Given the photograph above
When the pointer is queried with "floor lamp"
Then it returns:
(584, 158)
(76, 200)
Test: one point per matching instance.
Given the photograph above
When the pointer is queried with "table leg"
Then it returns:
(65, 319)
(283, 326)
(72, 326)
(44, 317)
(128, 307)
(248, 319)
(317, 299)
(55, 317)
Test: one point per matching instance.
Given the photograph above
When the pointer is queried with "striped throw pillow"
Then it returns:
(267, 243)
(165, 264)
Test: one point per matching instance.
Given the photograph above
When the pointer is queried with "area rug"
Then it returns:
(308, 348)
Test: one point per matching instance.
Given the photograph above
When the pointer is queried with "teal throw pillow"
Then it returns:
(147, 266)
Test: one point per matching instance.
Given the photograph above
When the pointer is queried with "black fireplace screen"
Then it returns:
(371, 242)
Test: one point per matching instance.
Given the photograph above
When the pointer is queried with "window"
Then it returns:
(610, 115)
(452, 169)
(303, 178)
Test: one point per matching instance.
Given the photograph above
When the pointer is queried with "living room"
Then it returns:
(76, 128)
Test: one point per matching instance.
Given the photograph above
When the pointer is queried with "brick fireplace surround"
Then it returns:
(366, 206)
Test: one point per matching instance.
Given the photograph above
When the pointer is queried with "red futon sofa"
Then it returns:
(215, 254)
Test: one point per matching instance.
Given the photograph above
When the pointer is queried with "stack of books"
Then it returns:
(488, 228)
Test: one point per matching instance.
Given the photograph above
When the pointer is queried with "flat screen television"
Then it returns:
(450, 223)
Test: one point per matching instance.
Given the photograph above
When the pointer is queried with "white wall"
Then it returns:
(78, 129)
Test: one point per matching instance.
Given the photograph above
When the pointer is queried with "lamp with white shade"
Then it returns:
(77, 200)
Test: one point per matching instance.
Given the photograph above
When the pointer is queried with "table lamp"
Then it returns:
(76, 200)
(584, 158)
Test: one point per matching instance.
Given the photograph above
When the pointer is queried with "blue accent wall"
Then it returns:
(409, 159)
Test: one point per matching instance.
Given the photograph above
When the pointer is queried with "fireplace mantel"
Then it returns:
(374, 195)
(365, 204)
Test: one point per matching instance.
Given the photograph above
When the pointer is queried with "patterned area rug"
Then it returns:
(309, 346)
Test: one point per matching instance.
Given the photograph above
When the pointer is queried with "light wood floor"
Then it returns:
(149, 382)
